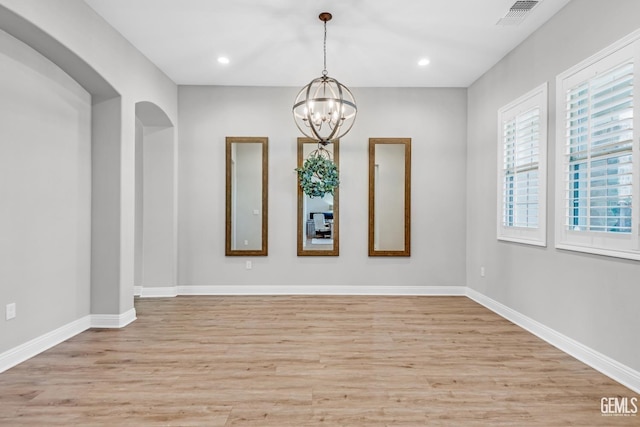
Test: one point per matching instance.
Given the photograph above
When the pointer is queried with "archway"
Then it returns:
(156, 203)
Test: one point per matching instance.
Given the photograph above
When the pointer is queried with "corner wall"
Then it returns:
(591, 299)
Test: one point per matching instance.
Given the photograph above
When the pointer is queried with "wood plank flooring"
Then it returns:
(307, 361)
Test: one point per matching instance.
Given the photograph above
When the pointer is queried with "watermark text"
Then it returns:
(619, 406)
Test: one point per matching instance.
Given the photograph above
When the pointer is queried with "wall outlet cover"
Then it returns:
(11, 311)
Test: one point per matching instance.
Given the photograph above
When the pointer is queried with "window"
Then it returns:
(597, 168)
(522, 148)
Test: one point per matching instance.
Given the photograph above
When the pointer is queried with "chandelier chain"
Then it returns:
(324, 71)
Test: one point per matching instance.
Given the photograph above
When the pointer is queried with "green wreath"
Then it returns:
(318, 176)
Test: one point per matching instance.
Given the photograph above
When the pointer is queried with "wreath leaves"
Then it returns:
(318, 176)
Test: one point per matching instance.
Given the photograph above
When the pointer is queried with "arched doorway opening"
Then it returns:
(156, 203)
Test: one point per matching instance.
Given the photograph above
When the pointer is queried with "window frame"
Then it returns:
(537, 236)
(620, 245)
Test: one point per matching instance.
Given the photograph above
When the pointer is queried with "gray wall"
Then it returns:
(435, 119)
(158, 200)
(137, 281)
(45, 194)
(592, 299)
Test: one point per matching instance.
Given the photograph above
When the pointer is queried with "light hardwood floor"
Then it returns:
(307, 361)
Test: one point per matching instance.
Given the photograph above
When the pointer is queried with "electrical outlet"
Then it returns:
(11, 311)
(481, 271)
(246, 243)
(248, 265)
(256, 211)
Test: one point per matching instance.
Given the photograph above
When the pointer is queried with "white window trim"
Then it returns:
(537, 97)
(608, 244)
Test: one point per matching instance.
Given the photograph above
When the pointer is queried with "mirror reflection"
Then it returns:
(389, 196)
(318, 219)
(246, 196)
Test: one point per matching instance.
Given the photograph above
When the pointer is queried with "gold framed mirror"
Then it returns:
(390, 197)
(318, 218)
(246, 217)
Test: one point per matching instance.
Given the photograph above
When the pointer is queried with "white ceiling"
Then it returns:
(370, 43)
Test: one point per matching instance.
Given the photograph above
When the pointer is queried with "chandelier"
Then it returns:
(325, 109)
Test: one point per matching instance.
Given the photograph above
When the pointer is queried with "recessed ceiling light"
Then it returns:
(424, 62)
(223, 60)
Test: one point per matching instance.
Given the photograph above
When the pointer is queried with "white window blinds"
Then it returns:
(522, 142)
(599, 153)
(597, 177)
(520, 170)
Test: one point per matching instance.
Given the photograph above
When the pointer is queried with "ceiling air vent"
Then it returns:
(518, 12)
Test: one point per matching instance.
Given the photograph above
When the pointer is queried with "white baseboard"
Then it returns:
(137, 291)
(113, 320)
(158, 291)
(19, 354)
(598, 361)
(320, 290)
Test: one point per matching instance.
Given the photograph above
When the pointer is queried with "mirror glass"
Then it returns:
(246, 196)
(318, 218)
(389, 197)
